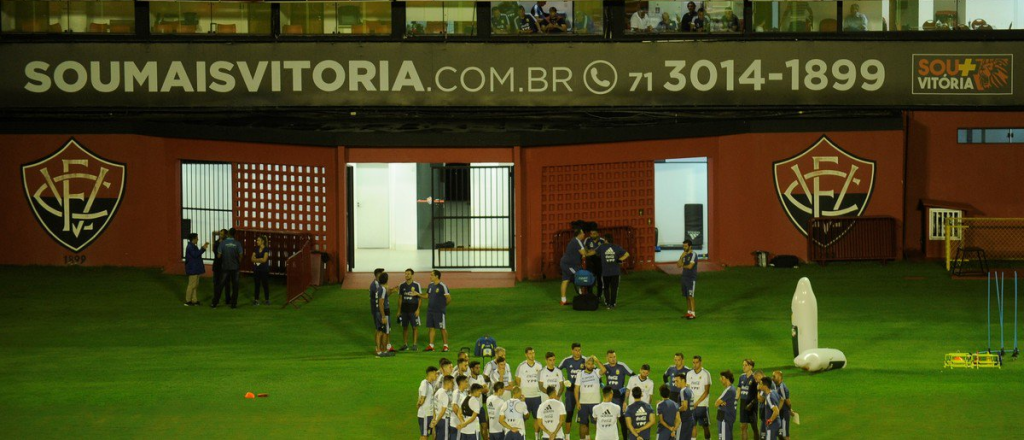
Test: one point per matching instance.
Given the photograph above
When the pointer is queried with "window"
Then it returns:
(97, 17)
(938, 219)
(990, 136)
(585, 17)
(668, 17)
(937, 15)
(434, 18)
(217, 18)
(795, 16)
(336, 18)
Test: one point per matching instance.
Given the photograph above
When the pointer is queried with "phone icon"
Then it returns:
(598, 81)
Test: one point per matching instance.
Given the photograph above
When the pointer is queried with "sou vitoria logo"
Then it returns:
(963, 74)
(823, 181)
(74, 194)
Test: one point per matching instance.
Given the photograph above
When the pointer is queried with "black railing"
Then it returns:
(851, 238)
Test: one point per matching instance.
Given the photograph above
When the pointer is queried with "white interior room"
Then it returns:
(679, 183)
(398, 224)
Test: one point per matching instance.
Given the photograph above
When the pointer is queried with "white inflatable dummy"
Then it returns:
(805, 333)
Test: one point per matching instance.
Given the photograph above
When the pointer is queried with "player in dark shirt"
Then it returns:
(611, 256)
(410, 311)
(525, 24)
(572, 260)
(553, 23)
(500, 24)
(688, 262)
(726, 405)
(748, 400)
(678, 366)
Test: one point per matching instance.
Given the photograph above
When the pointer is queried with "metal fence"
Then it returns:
(1000, 239)
(205, 200)
(281, 246)
(851, 238)
(472, 217)
(299, 267)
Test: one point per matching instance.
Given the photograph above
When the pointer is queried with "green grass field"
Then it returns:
(112, 353)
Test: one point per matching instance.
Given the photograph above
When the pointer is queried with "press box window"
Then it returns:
(336, 18)
(216, 18)
(94, 17)
(795, 16)
(684, 17)
(432, 18)
(529, 18)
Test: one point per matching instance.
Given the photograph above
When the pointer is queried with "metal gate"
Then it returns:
(205, 201)
(472, 212)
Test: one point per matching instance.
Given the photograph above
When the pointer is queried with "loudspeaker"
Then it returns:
(186, 228)
(693, 220)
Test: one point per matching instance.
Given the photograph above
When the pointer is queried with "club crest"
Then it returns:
(74, 194)
(823, 181)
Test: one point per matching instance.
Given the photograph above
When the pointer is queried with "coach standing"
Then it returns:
(230, 252)
(688, 262)
(439, 298)
(193, 268)
(572, 260)
(593, 242)
(219, 238)
(610, 257)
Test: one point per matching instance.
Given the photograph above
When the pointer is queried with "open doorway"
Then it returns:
(424, 216)
(681, 206)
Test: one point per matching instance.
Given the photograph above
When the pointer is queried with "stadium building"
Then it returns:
(463, 135)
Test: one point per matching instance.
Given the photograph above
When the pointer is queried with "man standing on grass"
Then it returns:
(528, 379)
(572, 261)
(606, 415)
(685, 401)
(230, 252)
(591, 244)
(785, 407)
(772, 424)
(442, 403)
(640, 417)
(726, 405)
(513, 416)
(688, 262)
(477, 378)
(494, 404)
(499, 352)
(551, 416)
(572, 366)
(588, 394)
(410, 291)
(551, 376)
(616, 375)
(668, 415)
(610, 258)
(455, 415)
(381, 317)
(761, 398)
(502, 374)
(678, 367)
(748, 400)
(699, 381)
(439, 297)
(425, 402)
(444, 367)
(644, 382)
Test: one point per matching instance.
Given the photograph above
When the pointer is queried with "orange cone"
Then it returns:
(250, 396)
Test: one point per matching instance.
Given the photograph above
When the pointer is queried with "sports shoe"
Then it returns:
(403, 348)
(445, 348)
(429, 348)
(691, 316)
(564, 303)
(413, 348)
(389, 354)
(188, 304)
(391, 349)
(213, 306)
(255, 302)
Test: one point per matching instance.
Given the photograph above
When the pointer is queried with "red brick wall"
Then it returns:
(611, 194)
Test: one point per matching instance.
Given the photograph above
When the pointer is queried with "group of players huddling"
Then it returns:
(468, 401)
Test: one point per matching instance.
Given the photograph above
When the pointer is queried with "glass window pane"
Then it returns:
(102, 17)
(358, 18)
(585, 17)
(961, 136)
(979, 15)
(240, 18)
(1017, 135)
(19, 16)
(179, 17)
(724, 17)
(866, 15)
(302, 18)
(997, 135)
(440, 18)
(220, 18)
(588, 18)
(795, 16)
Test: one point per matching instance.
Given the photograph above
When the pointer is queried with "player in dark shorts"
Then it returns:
(572, 365)
(688, 262)
(748, 400)
(685, 401)
(610, 256)
(726, 404)
(382, 317)
(437, 309)
(591, 244)
(572, 261)
(410, 311)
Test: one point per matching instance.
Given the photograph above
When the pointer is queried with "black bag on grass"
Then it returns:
(585, 302)
(785, 261)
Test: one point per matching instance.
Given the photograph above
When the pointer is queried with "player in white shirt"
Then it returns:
(502, 373)
(551, 376)
(425, 402)
(477, 378)
(551, 417)
(642, 381)
(606, 416)
(699, 381)
(513, 416)
(442, 404)
(527, 378)
(455, 415)
(588, 393)
(499, 352)
(494, 404)
(462, 368)
(444, 368)
(469, 429)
